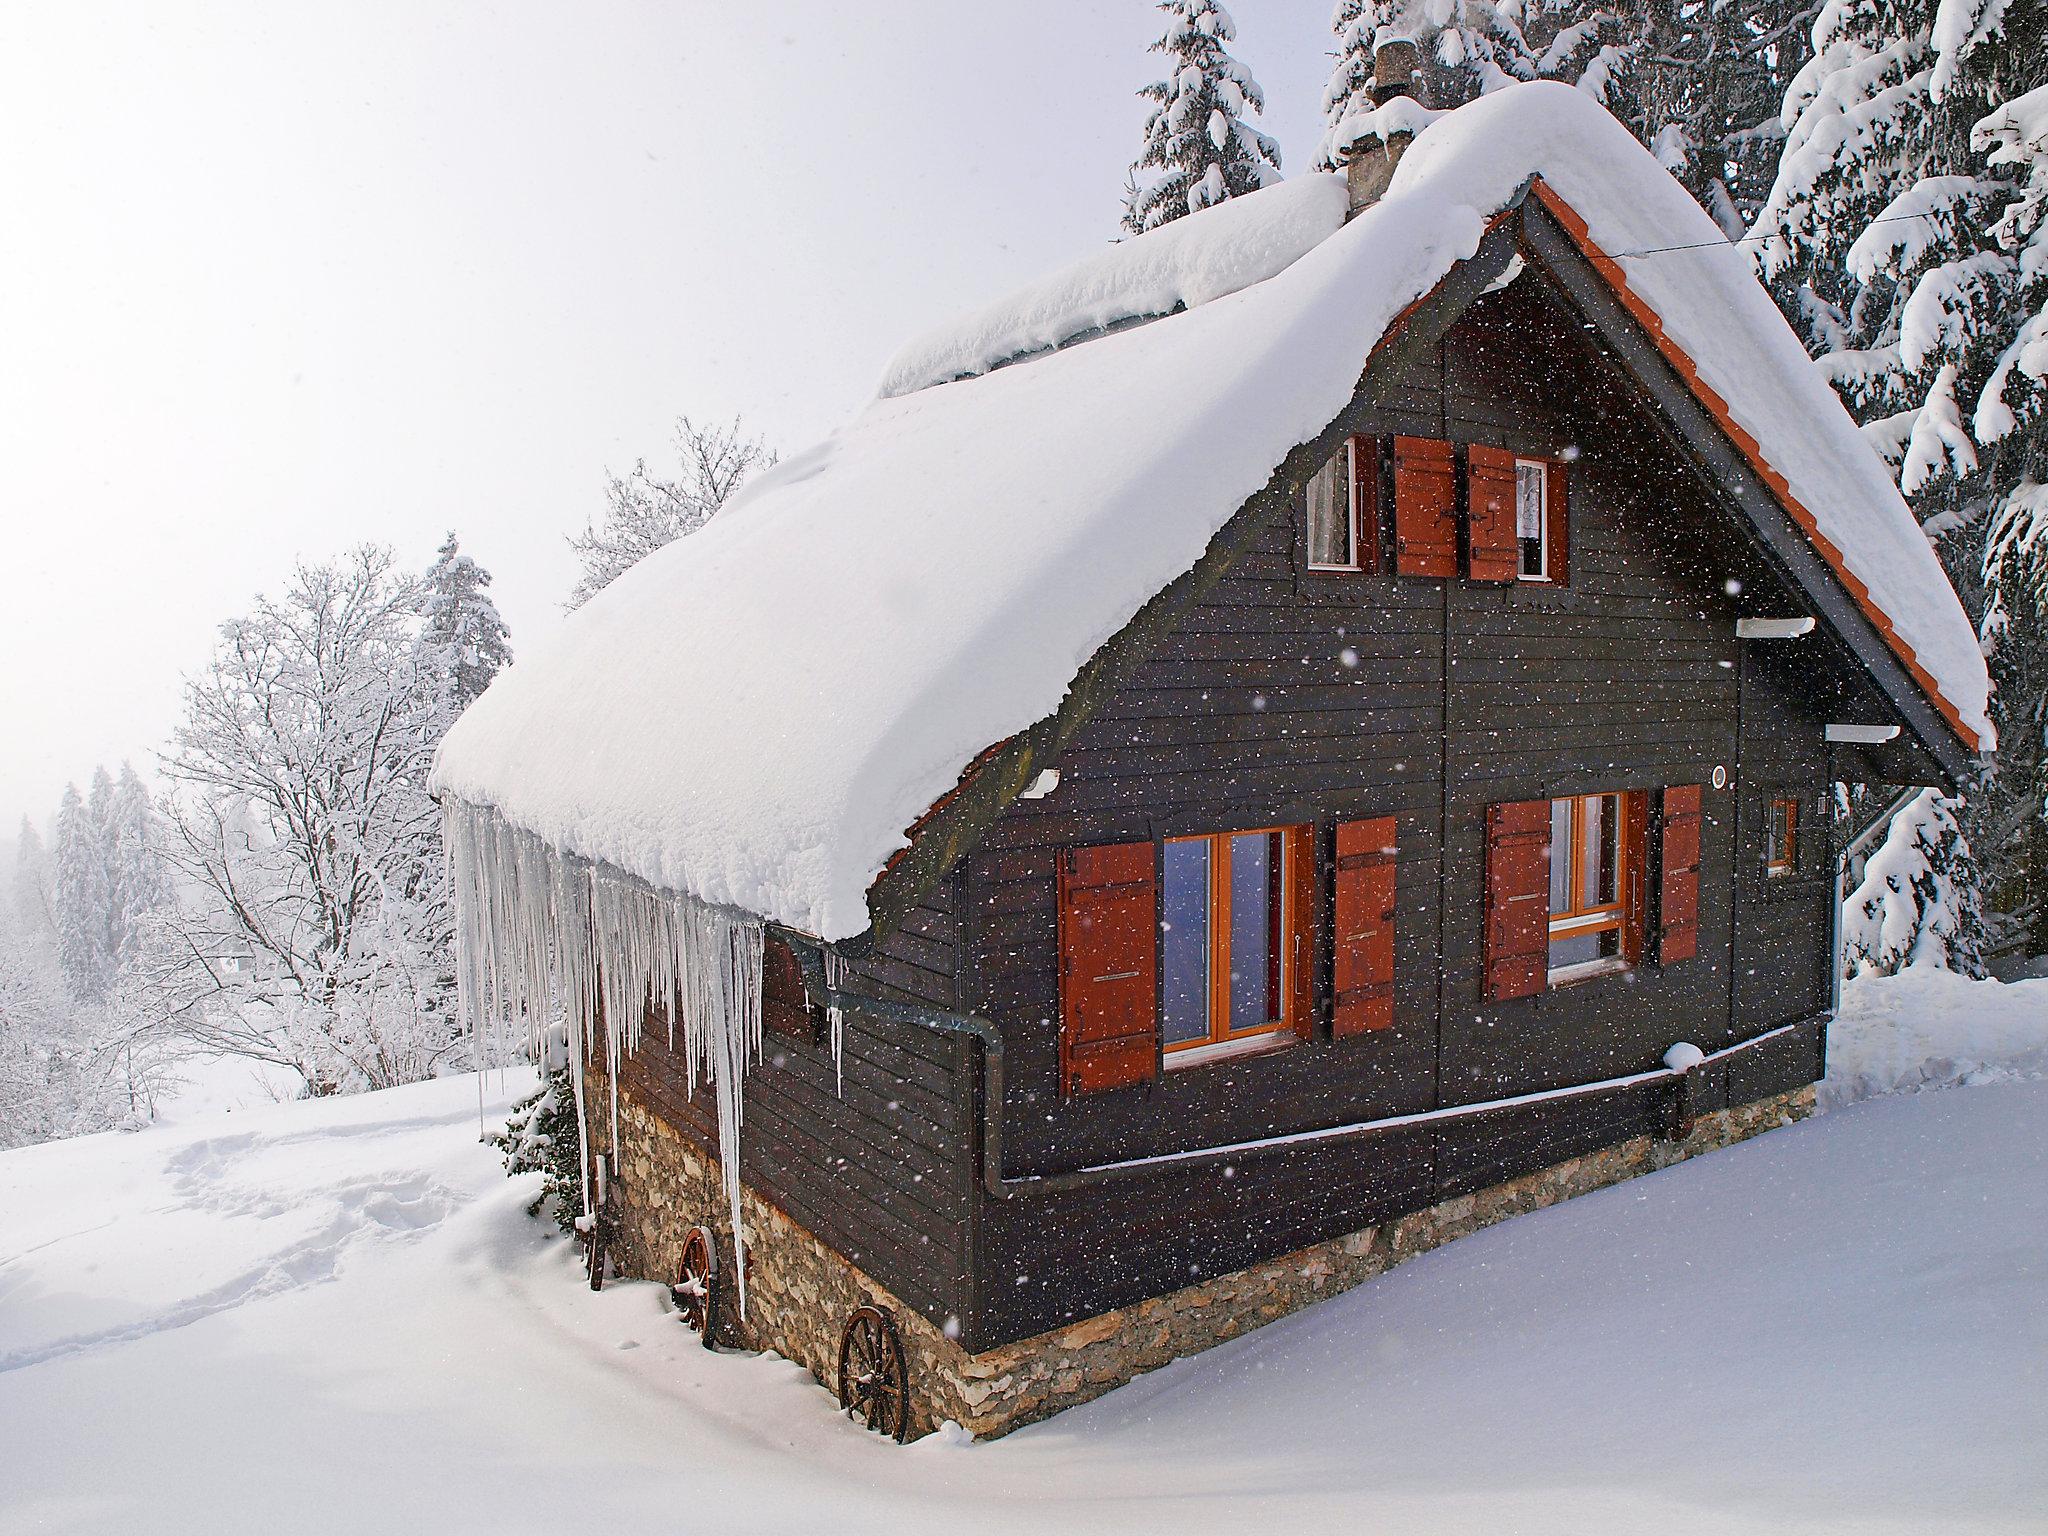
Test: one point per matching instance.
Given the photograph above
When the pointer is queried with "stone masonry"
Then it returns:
(799, 1292)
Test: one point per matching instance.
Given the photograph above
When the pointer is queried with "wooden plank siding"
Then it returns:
(1289, 696)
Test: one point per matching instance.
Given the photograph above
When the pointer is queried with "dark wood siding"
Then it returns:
(1293, 696)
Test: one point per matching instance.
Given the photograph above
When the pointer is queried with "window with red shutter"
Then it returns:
(1363, 915)
(1109, 938)
(1425, 508)
(1517, 898)
(1492, 552)
(1343, 510)
(1678, 875)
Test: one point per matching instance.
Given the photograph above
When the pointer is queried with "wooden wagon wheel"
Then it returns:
(697, 1287)
(874, 1384)
(594, 1229)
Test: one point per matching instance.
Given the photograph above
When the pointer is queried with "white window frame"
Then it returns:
(1542, 469)
(1346, 461)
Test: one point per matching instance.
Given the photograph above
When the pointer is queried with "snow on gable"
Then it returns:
(754, 715)
(1225, 248)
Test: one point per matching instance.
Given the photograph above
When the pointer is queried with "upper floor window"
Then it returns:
(1590, 860)
(1227, 949)
(1781, 838)
(1532, 519)
(1343, 532)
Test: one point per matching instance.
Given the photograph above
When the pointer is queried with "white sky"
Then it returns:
(276, 279)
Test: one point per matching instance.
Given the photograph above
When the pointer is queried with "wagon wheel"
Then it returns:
(874, 1385)
(697, 1287)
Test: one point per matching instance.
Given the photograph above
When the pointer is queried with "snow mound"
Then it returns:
(1931, 1028)
(755, 715)
(1192, 260)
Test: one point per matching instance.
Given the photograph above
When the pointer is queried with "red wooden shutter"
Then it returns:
(1678, 876)
(1517, 898)
(1493, 553)
(1364, 930)
(1109, 956)
(1557, 514)
(1425, 508)
(1365, 501)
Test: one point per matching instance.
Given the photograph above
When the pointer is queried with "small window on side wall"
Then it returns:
(1343, 526)
(1781, 838)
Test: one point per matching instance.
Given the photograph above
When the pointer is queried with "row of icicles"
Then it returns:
(542, 934)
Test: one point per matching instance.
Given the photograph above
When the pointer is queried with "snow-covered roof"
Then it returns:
(755, 715)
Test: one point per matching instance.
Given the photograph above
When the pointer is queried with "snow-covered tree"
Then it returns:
(1199, 148)
(83, 903)
(135, 885)
(1701, 82)
(1916, 903)
(466, 640)
(644, 511)
(35, 911)
(314, 927)
(1895, 235)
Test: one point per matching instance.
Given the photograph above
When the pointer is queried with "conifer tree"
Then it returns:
(35, 914)
(1199, 148)
(1896, 236)
(83, 908)
(136, 885)
(466, 640)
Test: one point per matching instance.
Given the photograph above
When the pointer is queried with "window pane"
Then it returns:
(1329, 513)
(1254, 929)
(1184, 941)
(1599, 867)
(1578, 948)
(1560, 856)
(1529, 517)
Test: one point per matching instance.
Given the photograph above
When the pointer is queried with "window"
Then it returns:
(1591, 854)
(1226, 945)
(1532, 519)
(1342, 529)
(1781, 838)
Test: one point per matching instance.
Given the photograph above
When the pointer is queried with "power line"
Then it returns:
(1779, 234)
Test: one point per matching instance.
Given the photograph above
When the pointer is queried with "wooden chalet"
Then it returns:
(1450, 834)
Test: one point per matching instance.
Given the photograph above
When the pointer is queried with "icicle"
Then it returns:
(540, 930)
(835, 1016)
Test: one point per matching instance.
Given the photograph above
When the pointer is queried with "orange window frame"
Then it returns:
(1617, 915)
(1781, 853)
(1296, 860)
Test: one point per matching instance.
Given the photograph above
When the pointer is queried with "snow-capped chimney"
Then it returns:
(1369, 144)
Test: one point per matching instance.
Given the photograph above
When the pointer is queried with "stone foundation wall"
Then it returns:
(800, 1291)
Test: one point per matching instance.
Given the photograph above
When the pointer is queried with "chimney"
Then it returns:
(1370, 158)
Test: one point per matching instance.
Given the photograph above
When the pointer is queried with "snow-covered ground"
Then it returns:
(336, 1316)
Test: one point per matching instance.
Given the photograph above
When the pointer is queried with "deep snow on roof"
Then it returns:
(756, 714)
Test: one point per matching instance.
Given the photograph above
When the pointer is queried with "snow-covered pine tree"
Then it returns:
(643, 511)
(1917, 903)
(136, 885)
(1894, 236)
(1199, 148)
(466, 639)
(83, 904)
(35, 912)
(1702, 83)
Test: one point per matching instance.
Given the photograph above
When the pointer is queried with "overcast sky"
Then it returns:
(278, 278)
